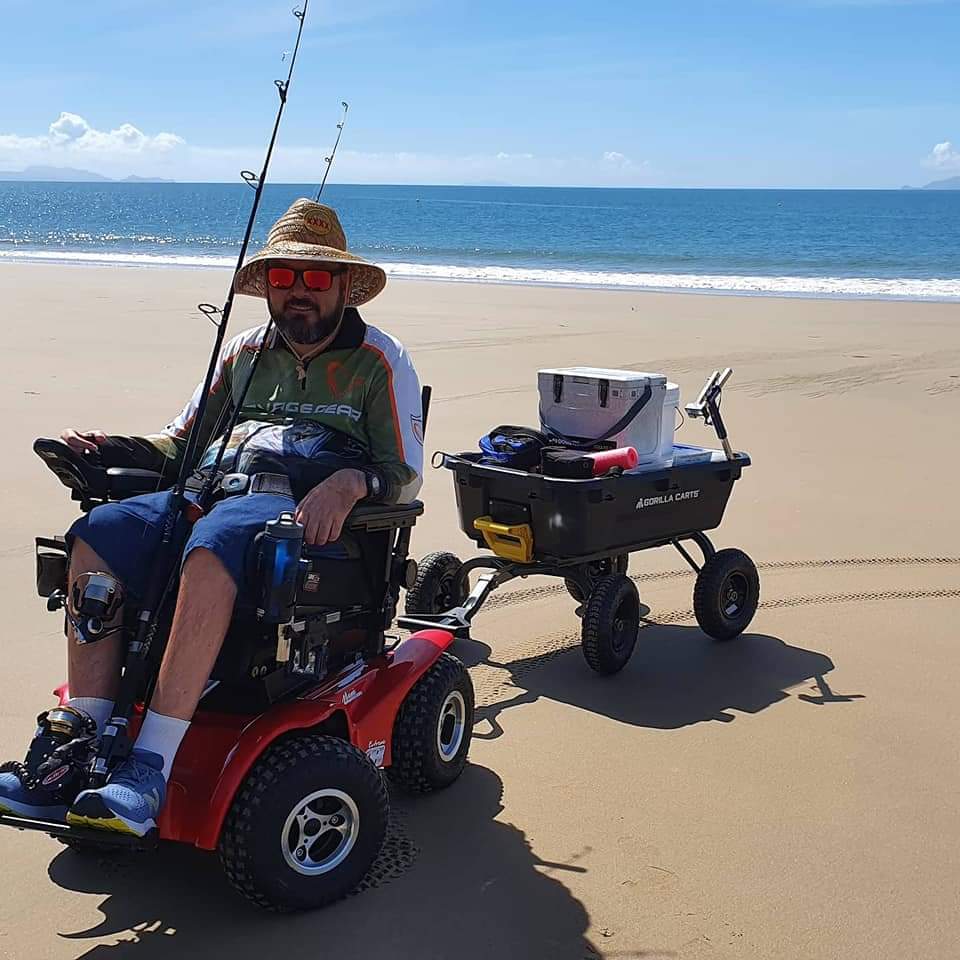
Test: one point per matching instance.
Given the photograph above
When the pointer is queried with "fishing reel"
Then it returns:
(59, 757)
(95, 600)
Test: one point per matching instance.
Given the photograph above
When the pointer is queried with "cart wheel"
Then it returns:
(611, 622)
(432, 732)
(617, 564)
(726, 594)
(306, 824)
(435, 589)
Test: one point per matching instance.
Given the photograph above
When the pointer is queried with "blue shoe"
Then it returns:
(16, 800)
(131, 800)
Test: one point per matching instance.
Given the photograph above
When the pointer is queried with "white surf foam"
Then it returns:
(946, 288)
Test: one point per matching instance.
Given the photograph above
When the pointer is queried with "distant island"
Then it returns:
(72, 175)
(951, 183)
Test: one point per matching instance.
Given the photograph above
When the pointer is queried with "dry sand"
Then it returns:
(790, 795)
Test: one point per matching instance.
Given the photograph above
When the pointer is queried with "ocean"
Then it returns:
(821, 243)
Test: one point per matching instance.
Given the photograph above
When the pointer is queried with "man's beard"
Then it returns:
(308, 328)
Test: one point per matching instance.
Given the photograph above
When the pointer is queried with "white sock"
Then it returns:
(162, 735)
(97, 708)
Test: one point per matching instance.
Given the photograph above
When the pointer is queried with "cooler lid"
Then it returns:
(603, 373)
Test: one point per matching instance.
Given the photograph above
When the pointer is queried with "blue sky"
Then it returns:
(792, 93)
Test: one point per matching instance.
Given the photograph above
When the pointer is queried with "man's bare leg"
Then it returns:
(204, 609)
(134, 795)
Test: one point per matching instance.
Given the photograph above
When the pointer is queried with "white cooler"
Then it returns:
(587, 402)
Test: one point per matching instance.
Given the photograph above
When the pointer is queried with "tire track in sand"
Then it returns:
(535, 593)
(494, 679)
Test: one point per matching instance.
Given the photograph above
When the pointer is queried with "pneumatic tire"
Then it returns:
(306, 824)
(437, 588)
(617, 564)
(611, 622)
(432, 732)
(726, 594)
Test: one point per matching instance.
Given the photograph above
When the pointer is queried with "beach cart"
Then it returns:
(583, 531)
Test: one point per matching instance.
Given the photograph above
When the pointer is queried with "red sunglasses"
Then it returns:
(283, 278)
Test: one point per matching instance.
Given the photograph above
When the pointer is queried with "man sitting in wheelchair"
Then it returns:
(332, 417)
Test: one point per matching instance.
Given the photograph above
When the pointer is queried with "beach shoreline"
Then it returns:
(781, 287)
(789, 794)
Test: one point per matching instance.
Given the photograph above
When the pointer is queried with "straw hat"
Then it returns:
(310, 231)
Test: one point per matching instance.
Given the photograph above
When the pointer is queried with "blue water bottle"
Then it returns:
(281, 545)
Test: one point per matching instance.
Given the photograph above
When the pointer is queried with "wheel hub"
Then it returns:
(625, 626)
(450, 726)
(734, 594)
(320, 832)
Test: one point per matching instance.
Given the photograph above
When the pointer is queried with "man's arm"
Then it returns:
(171, 442)
(394, 422)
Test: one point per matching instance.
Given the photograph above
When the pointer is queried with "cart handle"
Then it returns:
(508, 541)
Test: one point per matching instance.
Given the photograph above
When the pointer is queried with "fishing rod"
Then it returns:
(114, 741)
(237, 404)
(333, 152)
(258, 183)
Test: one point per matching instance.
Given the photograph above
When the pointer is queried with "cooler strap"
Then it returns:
(621, 424)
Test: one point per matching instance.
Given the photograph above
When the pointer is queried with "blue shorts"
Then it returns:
(126, 535)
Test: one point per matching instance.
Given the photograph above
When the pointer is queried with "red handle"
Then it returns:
(625, 457)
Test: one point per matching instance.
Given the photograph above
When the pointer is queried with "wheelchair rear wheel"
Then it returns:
(431, 736)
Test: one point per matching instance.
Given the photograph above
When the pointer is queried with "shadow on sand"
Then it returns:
(676, 677)
(471, 887)
(454, 881)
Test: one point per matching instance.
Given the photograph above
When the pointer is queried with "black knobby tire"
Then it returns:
(617, 564)
(428, 749)
(611, 622)
(253, 835)
(726, 594)
(436, 588)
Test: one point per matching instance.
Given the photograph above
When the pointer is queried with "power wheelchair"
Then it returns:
(280, 771)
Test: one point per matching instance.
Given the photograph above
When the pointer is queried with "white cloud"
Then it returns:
(616, 160)
(944, 156)
(71, 141)
(70, 138)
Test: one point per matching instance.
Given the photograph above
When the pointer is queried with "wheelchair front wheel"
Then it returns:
(306, 825)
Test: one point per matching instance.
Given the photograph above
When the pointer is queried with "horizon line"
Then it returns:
(160, 181)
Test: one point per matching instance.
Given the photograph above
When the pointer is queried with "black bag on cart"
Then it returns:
(567, 464)
(523, 448)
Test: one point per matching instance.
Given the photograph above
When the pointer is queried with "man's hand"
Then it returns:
(324, 509)
(86, 442)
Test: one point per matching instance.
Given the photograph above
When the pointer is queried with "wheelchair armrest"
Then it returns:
(128, 482)
(89, 479)
(83, 475)
(383, 516)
